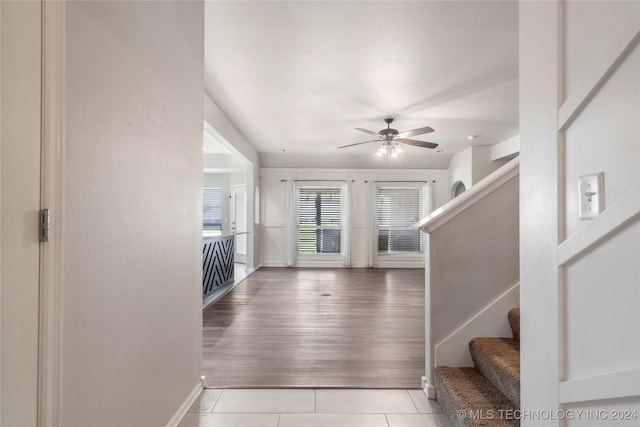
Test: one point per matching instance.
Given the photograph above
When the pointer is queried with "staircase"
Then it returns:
(489, 393)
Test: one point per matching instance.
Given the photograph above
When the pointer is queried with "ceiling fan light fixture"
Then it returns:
(391, 139)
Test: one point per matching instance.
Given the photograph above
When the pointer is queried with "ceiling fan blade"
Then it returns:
(423, 144)
(415, 132)
(358, 143)
(370, 132)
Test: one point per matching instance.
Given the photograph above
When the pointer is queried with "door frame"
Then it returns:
(232, 212)
(52, 197)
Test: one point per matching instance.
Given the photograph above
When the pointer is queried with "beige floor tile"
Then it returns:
(229, 420)
(332, 420)
(424, 405)
(266, 401)
(206, 400)
(364, 402)
(418, 420)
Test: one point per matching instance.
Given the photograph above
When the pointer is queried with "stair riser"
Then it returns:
(464, 389)
(498, 360)
(514, 322)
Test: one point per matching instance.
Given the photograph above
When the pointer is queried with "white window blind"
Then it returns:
(398, 209)
(212, 208)
(319, 220)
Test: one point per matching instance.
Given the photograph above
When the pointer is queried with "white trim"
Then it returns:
(612, 385)
(479, 191)
(0, 220)
(429, 356)
(600, 71)
(428, 390)
(489, 321)
(273, 224)
(273, 263)
(600, 227)
(182, 410)
(52, 197)
(406, 263)
(319, 262)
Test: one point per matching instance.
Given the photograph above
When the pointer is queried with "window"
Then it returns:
(319, 224)
(212, 208)
(398, 209)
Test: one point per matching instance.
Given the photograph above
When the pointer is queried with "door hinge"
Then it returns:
(45, 220)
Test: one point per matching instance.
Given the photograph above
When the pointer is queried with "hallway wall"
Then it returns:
(133, 178)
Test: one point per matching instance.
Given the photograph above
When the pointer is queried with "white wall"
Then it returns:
(482, 164)
(579, 279)
(507, 149)
(220, 180)
(602, 286)
(133, 177)
(460, 168)
(471, 165)
(222, 163)
(474, 259)
(273, 193)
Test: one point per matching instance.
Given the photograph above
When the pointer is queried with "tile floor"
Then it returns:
(314, 408)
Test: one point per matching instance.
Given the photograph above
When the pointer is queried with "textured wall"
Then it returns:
(133, 179)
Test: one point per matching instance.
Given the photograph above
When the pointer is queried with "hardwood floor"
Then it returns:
(276, 329)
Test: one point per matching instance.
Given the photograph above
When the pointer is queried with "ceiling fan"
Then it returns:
(391, 137)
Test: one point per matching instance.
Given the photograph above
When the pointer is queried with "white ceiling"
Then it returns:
(301, 75)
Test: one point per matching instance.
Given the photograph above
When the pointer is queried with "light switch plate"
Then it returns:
(591, 195)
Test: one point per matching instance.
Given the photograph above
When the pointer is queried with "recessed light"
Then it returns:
(472, 137)
(441, 151)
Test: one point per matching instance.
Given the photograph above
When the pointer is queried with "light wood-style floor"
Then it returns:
(276, 329)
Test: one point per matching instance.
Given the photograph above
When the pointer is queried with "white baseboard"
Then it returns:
(429, 390)
(182, 410)
(273, 264)
(400, 264)
(491, 321)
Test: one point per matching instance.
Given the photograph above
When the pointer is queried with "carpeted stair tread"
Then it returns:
(498, 359)
(466, 390)
(514, 321)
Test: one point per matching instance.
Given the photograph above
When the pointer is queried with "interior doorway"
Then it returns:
(238, 216)
(229, 209)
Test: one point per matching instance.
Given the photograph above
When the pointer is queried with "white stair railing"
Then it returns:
(471, 266)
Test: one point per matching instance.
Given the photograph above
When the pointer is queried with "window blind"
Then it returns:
(212, 208)
(398, 209)
(319, 220)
